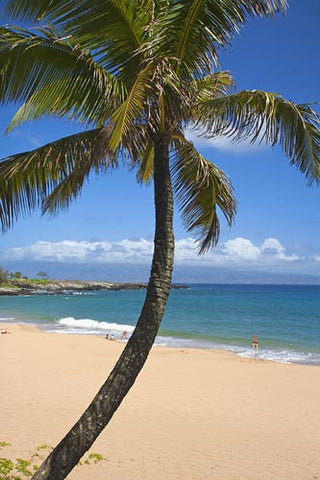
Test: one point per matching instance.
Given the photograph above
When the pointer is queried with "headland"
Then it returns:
(55, 287)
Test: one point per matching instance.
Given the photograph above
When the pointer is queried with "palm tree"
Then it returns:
(136, 73)
(42, 275)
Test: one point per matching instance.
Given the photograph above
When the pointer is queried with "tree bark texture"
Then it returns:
(82, 435)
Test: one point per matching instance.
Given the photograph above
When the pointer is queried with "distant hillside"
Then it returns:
(133, 273)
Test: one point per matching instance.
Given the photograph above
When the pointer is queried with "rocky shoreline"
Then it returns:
(56, 287)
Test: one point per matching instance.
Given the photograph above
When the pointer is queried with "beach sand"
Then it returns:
(192, 414)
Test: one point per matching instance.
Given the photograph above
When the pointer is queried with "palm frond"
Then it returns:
(201, 188)
(112, 30)
(70, 187)
(121, 25)
(211, 86)
(191, 31)
(134, 107)
(267, 117)
(28, 178)
(146, 165)
(27, 10)
(53, 76)
(118, 20)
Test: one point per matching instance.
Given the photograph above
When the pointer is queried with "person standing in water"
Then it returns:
(255, 343)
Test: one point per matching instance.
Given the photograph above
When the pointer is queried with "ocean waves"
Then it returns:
(89, 326)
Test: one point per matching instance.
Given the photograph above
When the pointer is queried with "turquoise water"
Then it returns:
(285, 318)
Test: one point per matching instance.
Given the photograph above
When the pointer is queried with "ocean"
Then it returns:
(285, 318)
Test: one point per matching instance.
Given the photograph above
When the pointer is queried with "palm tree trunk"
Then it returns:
(80, 438)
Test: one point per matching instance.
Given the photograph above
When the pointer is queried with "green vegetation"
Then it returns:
(3, 276)
(37, 281)
(42, 275)
(16, 279)
(22, 469)
(17, 275)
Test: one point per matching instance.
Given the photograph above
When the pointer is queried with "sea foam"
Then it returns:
(87, 325)
(277, 355)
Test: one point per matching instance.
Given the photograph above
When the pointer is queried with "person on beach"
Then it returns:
(124, 335)
(109, 337)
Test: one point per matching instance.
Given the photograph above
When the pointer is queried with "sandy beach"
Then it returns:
(192, 414)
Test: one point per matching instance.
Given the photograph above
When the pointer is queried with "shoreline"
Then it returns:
(192, 413)
(173, 343)
(36, 328)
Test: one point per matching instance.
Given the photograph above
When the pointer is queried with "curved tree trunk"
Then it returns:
(82, 435)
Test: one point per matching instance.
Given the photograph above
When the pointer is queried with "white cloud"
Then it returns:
(223, 143)
(238, 252)
(271, 247)
(63, 251)
(240, 249)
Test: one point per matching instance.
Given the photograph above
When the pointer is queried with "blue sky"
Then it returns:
(277, 227)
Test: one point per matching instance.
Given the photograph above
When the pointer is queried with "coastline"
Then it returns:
(192, 413)
(54, 287)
